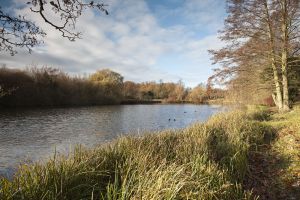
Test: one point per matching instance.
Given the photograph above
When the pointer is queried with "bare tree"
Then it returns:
(251, 45)
(289, 21)
(17, 31)
(261, 30)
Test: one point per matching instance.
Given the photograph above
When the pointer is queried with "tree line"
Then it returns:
(170, 92)
(51, 87)
(261, 59)
(47, 86)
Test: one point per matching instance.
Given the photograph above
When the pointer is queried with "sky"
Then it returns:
(143, 40)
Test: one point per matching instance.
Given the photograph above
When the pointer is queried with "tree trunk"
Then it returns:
(284, 56)
(285, 85)
(277, 98)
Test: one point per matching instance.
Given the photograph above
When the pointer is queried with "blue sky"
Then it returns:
(144, 40)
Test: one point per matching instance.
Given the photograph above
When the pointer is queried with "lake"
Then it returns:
(33, 134)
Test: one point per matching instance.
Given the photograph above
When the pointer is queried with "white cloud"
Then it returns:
(130, 41)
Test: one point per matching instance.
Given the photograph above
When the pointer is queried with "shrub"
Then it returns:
(52, 87)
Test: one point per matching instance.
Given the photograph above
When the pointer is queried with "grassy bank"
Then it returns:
(274, 169)
(214, 160)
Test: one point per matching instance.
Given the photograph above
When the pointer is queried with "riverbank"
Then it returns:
(274, 169)
(219, 101)
(220, 159)
(137, 101)
(159, 101)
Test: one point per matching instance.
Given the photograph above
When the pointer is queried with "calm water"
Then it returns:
(32, 134)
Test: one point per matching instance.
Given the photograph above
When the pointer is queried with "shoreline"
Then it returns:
(86, 125)
(222, 151)
(214, 159)
(134, 102)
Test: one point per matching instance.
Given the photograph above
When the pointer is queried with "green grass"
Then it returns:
(204, 161)
(287, 146)
(274, 168)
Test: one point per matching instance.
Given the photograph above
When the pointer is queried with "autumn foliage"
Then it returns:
(52, 87)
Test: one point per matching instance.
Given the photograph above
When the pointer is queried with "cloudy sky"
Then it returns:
(143, 40)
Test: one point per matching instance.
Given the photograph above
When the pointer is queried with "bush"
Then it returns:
(52, 87)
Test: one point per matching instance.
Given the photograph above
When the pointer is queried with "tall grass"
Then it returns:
(204, 161)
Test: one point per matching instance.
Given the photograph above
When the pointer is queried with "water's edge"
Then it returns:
(29, 135)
